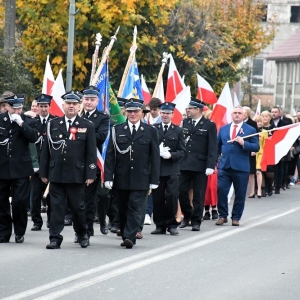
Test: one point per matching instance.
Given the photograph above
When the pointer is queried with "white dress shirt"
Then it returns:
(237, 129)
(137, 125)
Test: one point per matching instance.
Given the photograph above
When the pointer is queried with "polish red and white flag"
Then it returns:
(279, 144)
(205, 92)
(48, 80)
(221, 114)
(58, 90)
(175, 86)
(145, 91)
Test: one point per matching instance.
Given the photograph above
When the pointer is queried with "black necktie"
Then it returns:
(70, 124)
(44, 125)
(165, 129)
(194, 123)
(133, 131)
(87, 114)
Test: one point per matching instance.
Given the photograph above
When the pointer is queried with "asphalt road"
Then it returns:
(258, 260)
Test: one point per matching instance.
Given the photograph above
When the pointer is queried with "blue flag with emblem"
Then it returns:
(133, 87)
(103, 85)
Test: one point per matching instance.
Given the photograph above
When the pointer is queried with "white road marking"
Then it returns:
(181, 247)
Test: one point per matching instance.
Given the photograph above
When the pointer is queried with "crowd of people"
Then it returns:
(177, 176)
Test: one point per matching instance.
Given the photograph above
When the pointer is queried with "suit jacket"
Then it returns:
(76, 161)
(42, 132)
(233, 155)
(201, 145)
(15, 160)
(138, 168)
(252, 123)
(173, 139)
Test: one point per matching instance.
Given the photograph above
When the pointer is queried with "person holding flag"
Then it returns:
(101, 122)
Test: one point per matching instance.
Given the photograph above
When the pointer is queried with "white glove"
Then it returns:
(30, 114)
(108, 184)
(162, 149)
(209, 171)
(153, 186)
(35, 170)
(166, 155)
(17, 118)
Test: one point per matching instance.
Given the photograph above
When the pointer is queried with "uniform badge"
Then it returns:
(172, 126)
(38, 133)
(95, 116)
(5, 119)
(125, 127)
(201, 123)
(142, 128)
(60, 136)
(76, 123)
(81, 130)
(60, 122)
(158, 126)
(92, 166)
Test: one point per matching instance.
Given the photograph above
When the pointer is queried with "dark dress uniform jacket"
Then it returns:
(76, 161)
(201, 145)
(137, 170)
(15, 160)
(42, 132)
(173, 139)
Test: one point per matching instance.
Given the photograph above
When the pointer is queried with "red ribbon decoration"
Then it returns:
(73, 131)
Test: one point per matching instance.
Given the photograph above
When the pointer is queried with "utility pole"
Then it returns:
(10, 26)
(70, 45)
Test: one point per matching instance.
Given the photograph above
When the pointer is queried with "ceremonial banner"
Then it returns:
(145, 91)
(279, 144)
(205, 91)
(58, 90)
(48, 80)
(115, 111)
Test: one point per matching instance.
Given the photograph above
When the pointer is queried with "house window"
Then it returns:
(295, 14)
(258, 72)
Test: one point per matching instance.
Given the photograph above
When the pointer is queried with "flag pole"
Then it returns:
(105, 56)
(95, 55)
(159, 77)
(277, 128)
(129, 62)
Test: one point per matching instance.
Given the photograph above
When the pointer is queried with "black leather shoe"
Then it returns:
(214, 214)
(53, 245)
(19, 239)
(43, 209)
(206, 216)
(173, 231)
(114, 229)
(127, 243)
(68, 223)
(109, 226)
(76, 239)
(85, 243)
(277, 191)
(159, 231)
(36, 228)
(184, 223)
(104, 229)
(195, 227)
(96, 220)
(3, 240)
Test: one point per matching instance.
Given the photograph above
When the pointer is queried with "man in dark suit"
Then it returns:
(101, 123)
(37, 186)
(16, 132)
(278, 121)
(68, 162)
(198, 163)
(172, 149)
(132, 166)
(234, 165)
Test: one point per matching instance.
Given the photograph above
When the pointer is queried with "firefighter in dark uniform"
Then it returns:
(68, 162)
(172, 149)
(37, 186)
(101, 123)
(16, 132)
(132, 166)
(198, 163)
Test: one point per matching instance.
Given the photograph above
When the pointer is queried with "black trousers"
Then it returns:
(198, 180)
(20, 189)
(165, 202)
(279, 174)
(103, 202)
(37, 190)
(74, 193)
(90, 205)
(113, 210)
(130, 212)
